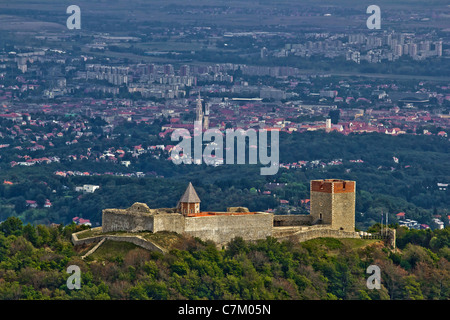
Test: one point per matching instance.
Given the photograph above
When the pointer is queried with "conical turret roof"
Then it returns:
(190, 196)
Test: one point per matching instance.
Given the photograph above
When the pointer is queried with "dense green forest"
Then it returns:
(34, 260)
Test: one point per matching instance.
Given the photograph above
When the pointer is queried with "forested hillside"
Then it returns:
(33, 263)
(383, 185)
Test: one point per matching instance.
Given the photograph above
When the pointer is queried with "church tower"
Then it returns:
(199, 109)
(206, 117)
(189, 203)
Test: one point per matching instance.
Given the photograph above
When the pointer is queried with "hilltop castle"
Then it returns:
(332, 215)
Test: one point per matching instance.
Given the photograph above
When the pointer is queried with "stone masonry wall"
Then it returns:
(218, 228)
(169, 222)
(319, 232)
(121, 220)
(223, 228)
(291, 220)
(343, 214)
(137, 240)
(321, 206)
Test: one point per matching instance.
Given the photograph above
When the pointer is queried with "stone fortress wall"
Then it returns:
(136, 240)
(223, 228)
(332, 215)
(287, 220)
(138, 217)
(220, 227)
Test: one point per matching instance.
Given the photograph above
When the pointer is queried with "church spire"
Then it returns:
(199, 109)
(206, 117)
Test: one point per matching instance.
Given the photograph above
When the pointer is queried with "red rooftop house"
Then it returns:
(306, 203)
(81, 221)
(401, 216)
(31, 204)
(47, 204)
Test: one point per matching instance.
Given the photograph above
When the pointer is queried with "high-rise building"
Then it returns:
(353, 56)
(168, 69)
(184, 70)
(387, 39)
(405, 49)
(438, 48)
(393, 44)
(264, 53)
(151, 68)
(357, 38)
(398, 50)
(413, 50)
(401, 38)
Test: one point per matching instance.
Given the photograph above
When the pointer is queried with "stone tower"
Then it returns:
(206, 117)
(199, 110)
(333, 203)
(189, 203)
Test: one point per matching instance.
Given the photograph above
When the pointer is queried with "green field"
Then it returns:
(227, 13)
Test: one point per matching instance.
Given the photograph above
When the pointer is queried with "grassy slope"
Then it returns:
(112, 250)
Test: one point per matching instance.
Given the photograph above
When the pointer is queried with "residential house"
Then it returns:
(31, 203)
(87, 188)
(401, 216)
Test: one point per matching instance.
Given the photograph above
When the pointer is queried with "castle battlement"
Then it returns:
(333, 186)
